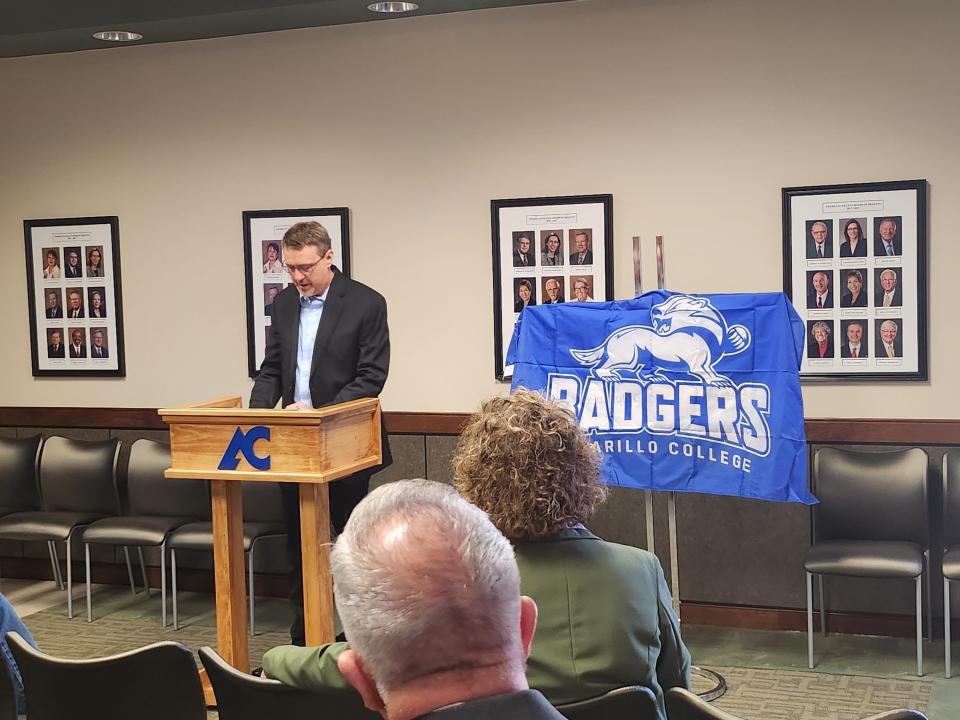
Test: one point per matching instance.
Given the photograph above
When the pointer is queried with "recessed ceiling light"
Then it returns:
(117, 36)
(393, 7)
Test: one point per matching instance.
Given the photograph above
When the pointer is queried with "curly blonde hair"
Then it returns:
(525, 462)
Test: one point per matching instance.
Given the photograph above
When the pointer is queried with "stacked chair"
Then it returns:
(635, 702)
(871, 521)
(77, 487)
(157, 507)
(684, 705)
(951, 541)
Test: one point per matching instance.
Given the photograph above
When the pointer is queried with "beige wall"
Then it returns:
(693, 114)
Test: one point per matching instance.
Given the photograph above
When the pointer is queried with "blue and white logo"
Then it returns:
(680, 392)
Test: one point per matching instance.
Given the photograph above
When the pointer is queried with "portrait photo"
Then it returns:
(77, 347)
(272, 257)
(51, 263)
(534, 234)
(854, 339)
(887, 236)
(853, 291)
(877, 272)
(819, 339)
(72, 263)
(99, 345)
(889, 341)
(53, 298)
(888, 292)
(552, 290)
(523, 249)
(97, 302)
(853, 238)
(270, 292)
(524, 293)
(55, 346)
(79, 261)
(581, 246)
(75, 302)
(820, 289)
(581, 288)
(551, 248)
(94, 261)
(819, 239)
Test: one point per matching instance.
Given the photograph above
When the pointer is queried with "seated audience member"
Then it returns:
(10, 621)
(606, 618)
(429, 596)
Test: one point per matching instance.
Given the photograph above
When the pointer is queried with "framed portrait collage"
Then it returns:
(263, 259)
(855, 267)
(547, 250)
(73, 296)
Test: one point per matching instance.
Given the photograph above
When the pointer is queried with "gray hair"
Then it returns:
(820, 325)
(425, 584)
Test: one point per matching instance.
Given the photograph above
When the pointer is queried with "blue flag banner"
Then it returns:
(684, 393)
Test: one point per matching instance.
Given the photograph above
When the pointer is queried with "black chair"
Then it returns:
(951, 541)
(19, 485)
(684, 705)
(156, 682)
(157, 507)
(262, 519)
(635, 702)
(871, 522)
(77, 486)
(245, 697)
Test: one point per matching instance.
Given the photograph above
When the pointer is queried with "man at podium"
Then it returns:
(329, 344)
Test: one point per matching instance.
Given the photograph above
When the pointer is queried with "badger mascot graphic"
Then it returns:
(688, 335)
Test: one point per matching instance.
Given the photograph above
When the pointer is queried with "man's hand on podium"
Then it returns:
(298, 406)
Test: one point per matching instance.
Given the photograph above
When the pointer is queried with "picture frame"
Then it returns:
(74, 298)
(568, 257)
(264, 274)
(855, 268)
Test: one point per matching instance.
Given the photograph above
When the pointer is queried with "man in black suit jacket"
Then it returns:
(523, 256)
(53, 304)
(889, 344)
(75, 309)
(583, 255)
(77, 348)
(99, 348)
(73, 269)
(820, 289)
(55, 348)
(888, 293)
(817, 245)
(347, 323)
(889, 242)
(856, 344)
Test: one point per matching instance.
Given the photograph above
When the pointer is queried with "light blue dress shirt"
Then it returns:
(311, 310)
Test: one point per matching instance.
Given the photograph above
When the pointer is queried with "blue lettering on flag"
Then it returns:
(686, 393)
(243, 443)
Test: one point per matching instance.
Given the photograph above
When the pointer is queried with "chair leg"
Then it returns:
(919, 628)
(133, 585)
(926, 558)
(250, 591)
(143, 569)
(810, 621)
(823, 608)
(946, 626)
(163, 583)
(86, 554)
(57, 578)
(173, 589)
(69, 579)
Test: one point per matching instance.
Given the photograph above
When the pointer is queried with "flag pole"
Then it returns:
(647, 494)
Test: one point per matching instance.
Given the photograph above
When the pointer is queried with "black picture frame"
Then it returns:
(570, 218)
(856, 255)
(88, 296)
(262, 228)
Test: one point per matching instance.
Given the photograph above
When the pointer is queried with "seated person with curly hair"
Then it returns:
(606, 619)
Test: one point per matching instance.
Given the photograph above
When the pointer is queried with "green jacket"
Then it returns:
(605, 620)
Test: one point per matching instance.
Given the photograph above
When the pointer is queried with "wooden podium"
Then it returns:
(221, 442)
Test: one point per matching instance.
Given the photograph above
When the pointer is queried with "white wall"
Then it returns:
(692, 113)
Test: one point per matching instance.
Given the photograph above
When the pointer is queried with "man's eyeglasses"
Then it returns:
(304, 269)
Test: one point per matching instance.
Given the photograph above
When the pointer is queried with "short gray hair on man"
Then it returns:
(425, 584)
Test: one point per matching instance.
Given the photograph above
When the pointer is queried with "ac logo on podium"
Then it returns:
(243, 443)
